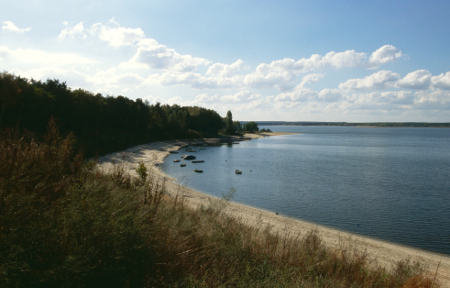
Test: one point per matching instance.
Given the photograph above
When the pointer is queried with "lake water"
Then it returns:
(387, 183)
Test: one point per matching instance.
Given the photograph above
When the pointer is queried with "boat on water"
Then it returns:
(176, 161)
(183, 165)
(198, 161)
(238, 172)
(198, 171)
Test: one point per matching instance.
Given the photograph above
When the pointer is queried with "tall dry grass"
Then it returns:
(65, 224)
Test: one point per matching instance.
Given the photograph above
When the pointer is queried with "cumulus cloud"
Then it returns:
(283, 73)
(225, 70)
(42, 65)
(298, 94)
(144, 66)
(310, 78)
(437, 100)
(243, 96)
(306, 95)
(441, 81)
(159, 56)
(384, 54)
(348, 58)
(419, 79)
(148, 51)
(72, 32)
(117, 36)
(112, 33)
(400, 97)
(377, 80)
(42, 58)
(11, 27)
(329, 95)
(280, 74)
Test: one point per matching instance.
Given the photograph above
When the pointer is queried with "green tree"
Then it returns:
(237, 127)
(229, 127)
(251, 127)
(100, 124)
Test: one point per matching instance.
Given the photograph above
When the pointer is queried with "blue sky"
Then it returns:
(263, 60)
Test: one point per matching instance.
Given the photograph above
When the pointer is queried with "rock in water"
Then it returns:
(189, 157)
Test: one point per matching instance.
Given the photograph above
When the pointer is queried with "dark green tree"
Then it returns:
(229, 127)
(100, 124)
(251, 127)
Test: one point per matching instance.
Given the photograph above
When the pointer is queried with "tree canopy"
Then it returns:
(101, 124)
(251, 127)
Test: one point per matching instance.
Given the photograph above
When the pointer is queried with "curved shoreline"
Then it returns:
(379, 252)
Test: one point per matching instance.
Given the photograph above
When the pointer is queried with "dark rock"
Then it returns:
(189, 157)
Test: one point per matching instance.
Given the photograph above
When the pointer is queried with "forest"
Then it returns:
(101, 124)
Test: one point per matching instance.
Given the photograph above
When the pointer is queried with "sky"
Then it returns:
(355, 61)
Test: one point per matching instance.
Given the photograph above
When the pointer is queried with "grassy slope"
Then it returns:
(64, 224)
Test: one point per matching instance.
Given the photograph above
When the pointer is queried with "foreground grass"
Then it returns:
(64, 224)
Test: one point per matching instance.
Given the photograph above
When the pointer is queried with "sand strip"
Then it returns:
(379, 252)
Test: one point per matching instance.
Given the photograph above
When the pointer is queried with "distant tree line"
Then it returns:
(236, 127)
(373, 124)
(100, 124)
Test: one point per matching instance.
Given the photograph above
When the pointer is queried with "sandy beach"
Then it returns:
(379, 252)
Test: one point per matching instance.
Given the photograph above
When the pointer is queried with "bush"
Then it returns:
(251, 127)
(62, 224)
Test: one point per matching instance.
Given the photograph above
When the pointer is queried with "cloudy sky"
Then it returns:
(263, 60)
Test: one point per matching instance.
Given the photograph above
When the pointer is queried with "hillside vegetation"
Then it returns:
(65, 224)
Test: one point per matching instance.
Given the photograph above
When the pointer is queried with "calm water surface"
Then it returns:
(388, 183)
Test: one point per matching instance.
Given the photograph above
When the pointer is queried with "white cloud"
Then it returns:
(437, 100)
(42, 58)
(243, 96)
(310, 78)
(384, 54)
(400, 97)
(348, 58)
(11, 27)
(117, 36)
(306, 95)
(297, 95)
(283, 73)
(71, 32)
(280, 74)
(148, 51)
(225, 70)
(419, 79)
(329, 95)
(441, 81)
(159, 56)
(377, 80)
(285, 88)
(112, 33)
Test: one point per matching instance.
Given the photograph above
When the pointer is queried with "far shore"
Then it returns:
(380, 252)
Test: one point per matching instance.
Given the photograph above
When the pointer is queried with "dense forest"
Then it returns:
(100, 124)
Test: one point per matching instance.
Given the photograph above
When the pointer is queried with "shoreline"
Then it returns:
(379, 252)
